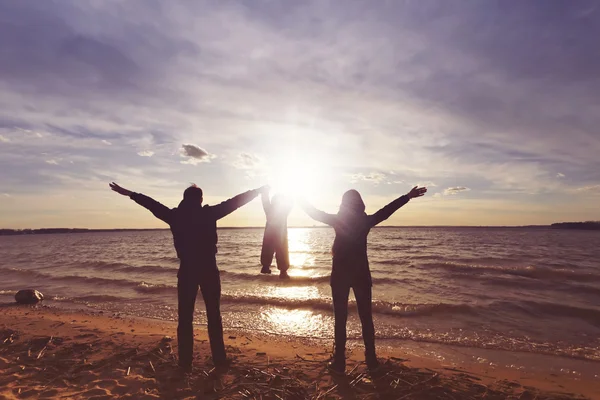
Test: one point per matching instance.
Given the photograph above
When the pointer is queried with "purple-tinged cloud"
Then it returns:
(455, 190)
(248, 161)
(373, 177)
(590, 188)
(145, 153)
(195, 154)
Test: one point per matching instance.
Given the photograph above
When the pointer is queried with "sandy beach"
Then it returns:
(47, 352)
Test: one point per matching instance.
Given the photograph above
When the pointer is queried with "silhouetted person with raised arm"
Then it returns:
(275, 239)
(194, 229)
(351, 267)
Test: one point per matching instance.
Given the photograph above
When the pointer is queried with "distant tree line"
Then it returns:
(588, 225)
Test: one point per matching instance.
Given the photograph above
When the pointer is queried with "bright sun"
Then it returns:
(295, 177)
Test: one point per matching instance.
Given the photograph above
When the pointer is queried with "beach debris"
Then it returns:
(232, 337)
(260, 353)
(290, 378)
(41, 353)
(9, 336)
(166, 339)
(28, 296)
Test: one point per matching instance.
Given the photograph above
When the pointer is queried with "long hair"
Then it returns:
(352, 203)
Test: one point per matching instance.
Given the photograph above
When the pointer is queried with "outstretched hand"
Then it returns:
(417, 192)
(120, 189)
(264, 190)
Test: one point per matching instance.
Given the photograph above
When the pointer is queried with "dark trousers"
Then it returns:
(187, 289)
(363, 294)
(277, 247)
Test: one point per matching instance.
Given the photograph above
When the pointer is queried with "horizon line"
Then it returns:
(296, 227)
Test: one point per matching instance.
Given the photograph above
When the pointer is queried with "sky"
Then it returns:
(493, 105)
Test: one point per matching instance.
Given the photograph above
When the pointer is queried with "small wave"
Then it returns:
(144, 287)
(390, 262)
(528, 272)
(91, 299)
(557, 310)
(99, 298)
(379, 307)
(299, 280)
(294, 280)
(91, 280)
(121, 267)
(100, 265)
(173, 260)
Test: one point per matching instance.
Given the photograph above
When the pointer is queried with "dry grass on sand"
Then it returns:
(51, 354)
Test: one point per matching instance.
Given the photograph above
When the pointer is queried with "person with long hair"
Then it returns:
(350, 267)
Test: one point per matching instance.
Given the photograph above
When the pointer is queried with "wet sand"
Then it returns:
(54, 353)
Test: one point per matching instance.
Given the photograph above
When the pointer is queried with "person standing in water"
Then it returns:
(194, 229)
(350, 267)
(275, 239)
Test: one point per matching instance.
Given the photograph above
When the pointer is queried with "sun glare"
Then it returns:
(297, 177)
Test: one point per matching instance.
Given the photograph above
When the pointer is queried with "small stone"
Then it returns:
(28, 296)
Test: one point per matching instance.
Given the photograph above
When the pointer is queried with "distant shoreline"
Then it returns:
(561, 225)
(45, 231)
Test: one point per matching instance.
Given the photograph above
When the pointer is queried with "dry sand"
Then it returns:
(53, 353)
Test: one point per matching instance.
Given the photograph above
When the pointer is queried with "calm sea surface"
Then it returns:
(530, 290)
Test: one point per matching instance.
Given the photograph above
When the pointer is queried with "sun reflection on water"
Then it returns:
(292, 292)
(296, 322)
(301, 254)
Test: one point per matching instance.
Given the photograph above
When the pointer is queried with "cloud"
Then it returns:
(455, 190)
(52, 161)
(145, 153)
(248, 161)
(426, 184)
(372, 177)
(590, 188)
(319, 79)
(106, 142)
(196, 154)
(560, 175)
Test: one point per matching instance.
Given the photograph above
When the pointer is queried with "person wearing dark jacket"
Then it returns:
(350, 267)
(194, 229)
(275, 238)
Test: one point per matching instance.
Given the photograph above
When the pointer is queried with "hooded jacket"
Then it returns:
(194, 227)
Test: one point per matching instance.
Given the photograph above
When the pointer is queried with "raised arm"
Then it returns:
(228, 206)
(264, 196)
(317, 215)
(159, 210)
(391, 208)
